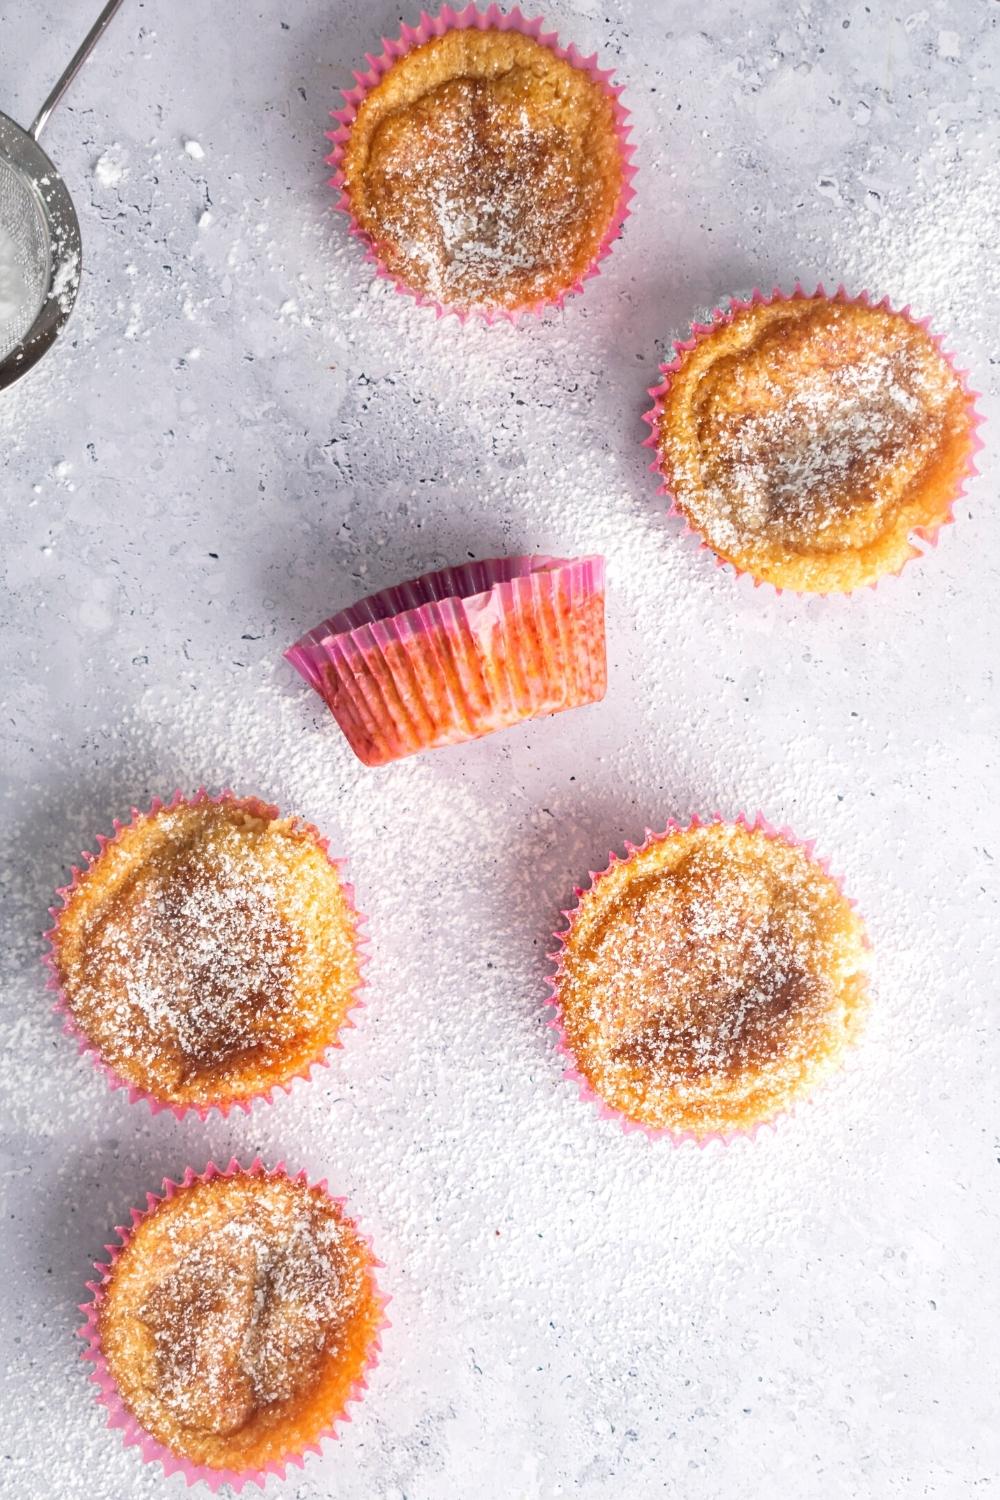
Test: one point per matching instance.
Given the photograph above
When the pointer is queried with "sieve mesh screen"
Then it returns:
(25, 257)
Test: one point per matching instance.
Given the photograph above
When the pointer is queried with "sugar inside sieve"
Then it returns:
(39, 232)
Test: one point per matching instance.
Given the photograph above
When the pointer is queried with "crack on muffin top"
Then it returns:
(474, 193)
(725, 1029)
(246, 1317)
(206, 946)
(491, 179)
(202, 955)
(711, 970)
(239, 1318)
(705, 972)
(800, 461)
(812, 436)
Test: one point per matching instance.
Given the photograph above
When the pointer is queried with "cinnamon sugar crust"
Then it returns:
(209, 952)
(710, 979)
(485, 170)
(807, 440)
(238, 1319)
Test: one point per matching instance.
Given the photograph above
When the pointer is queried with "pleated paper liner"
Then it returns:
(722, 316)
(491, 19)
(255, 807)
(119, 1415)
(572, 1071)
(457, 654)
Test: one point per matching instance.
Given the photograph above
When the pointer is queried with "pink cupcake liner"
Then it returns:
(721, 316)
(71, 1027)
(133, 1434)
(492, 19)
(587, 1093)
(457, 654)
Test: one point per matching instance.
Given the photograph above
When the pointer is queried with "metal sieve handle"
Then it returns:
(79, 58)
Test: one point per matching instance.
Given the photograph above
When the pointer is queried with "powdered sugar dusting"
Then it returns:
(247, 1296)
(15, 287)
(838, 435)
(472, 222)
(575, 1311)
(220, 1322)
(719, 984)
(811, 446)
(204, 960)
(490, 191)
(190, 956)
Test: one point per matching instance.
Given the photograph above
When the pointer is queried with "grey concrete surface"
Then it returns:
(241, 432)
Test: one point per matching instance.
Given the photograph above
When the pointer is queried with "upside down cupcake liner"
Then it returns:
(254, 807)
(573, 1071)
(905, 550)
(120, 1416)
(428, 29)
(456, 654)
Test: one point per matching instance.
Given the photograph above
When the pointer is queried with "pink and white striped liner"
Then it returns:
(257, 808)
(134, 1435)
(721, 316)
(457, 654)
(492, 19)
(587, 1092)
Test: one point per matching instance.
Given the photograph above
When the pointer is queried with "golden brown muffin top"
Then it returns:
(485, 170)
(238, 1317)
(806, 440)
(209, 951)
(710, 979)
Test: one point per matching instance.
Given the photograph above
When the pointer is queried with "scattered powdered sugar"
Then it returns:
(66, 281)
(575, 1311)
(924, 238)
(110, 168)
(719, 992)
(485, 1181)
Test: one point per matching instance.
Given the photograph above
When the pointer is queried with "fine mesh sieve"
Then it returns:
(24, 258)
(39, 232)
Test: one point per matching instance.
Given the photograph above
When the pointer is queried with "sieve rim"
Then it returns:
(26, 156)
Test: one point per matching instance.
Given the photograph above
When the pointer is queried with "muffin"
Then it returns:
(208, 952)
(709, 980)
(235, 1322)
(808, 439)
(454, 655)
(487, 168)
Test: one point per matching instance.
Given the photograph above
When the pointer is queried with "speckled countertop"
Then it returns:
(242, 432)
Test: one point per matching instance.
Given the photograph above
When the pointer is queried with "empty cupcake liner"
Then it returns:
(587, 1092)
(257, 808)
(456, 654)
(491, 19)
(723, 315)
(119, 1416)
